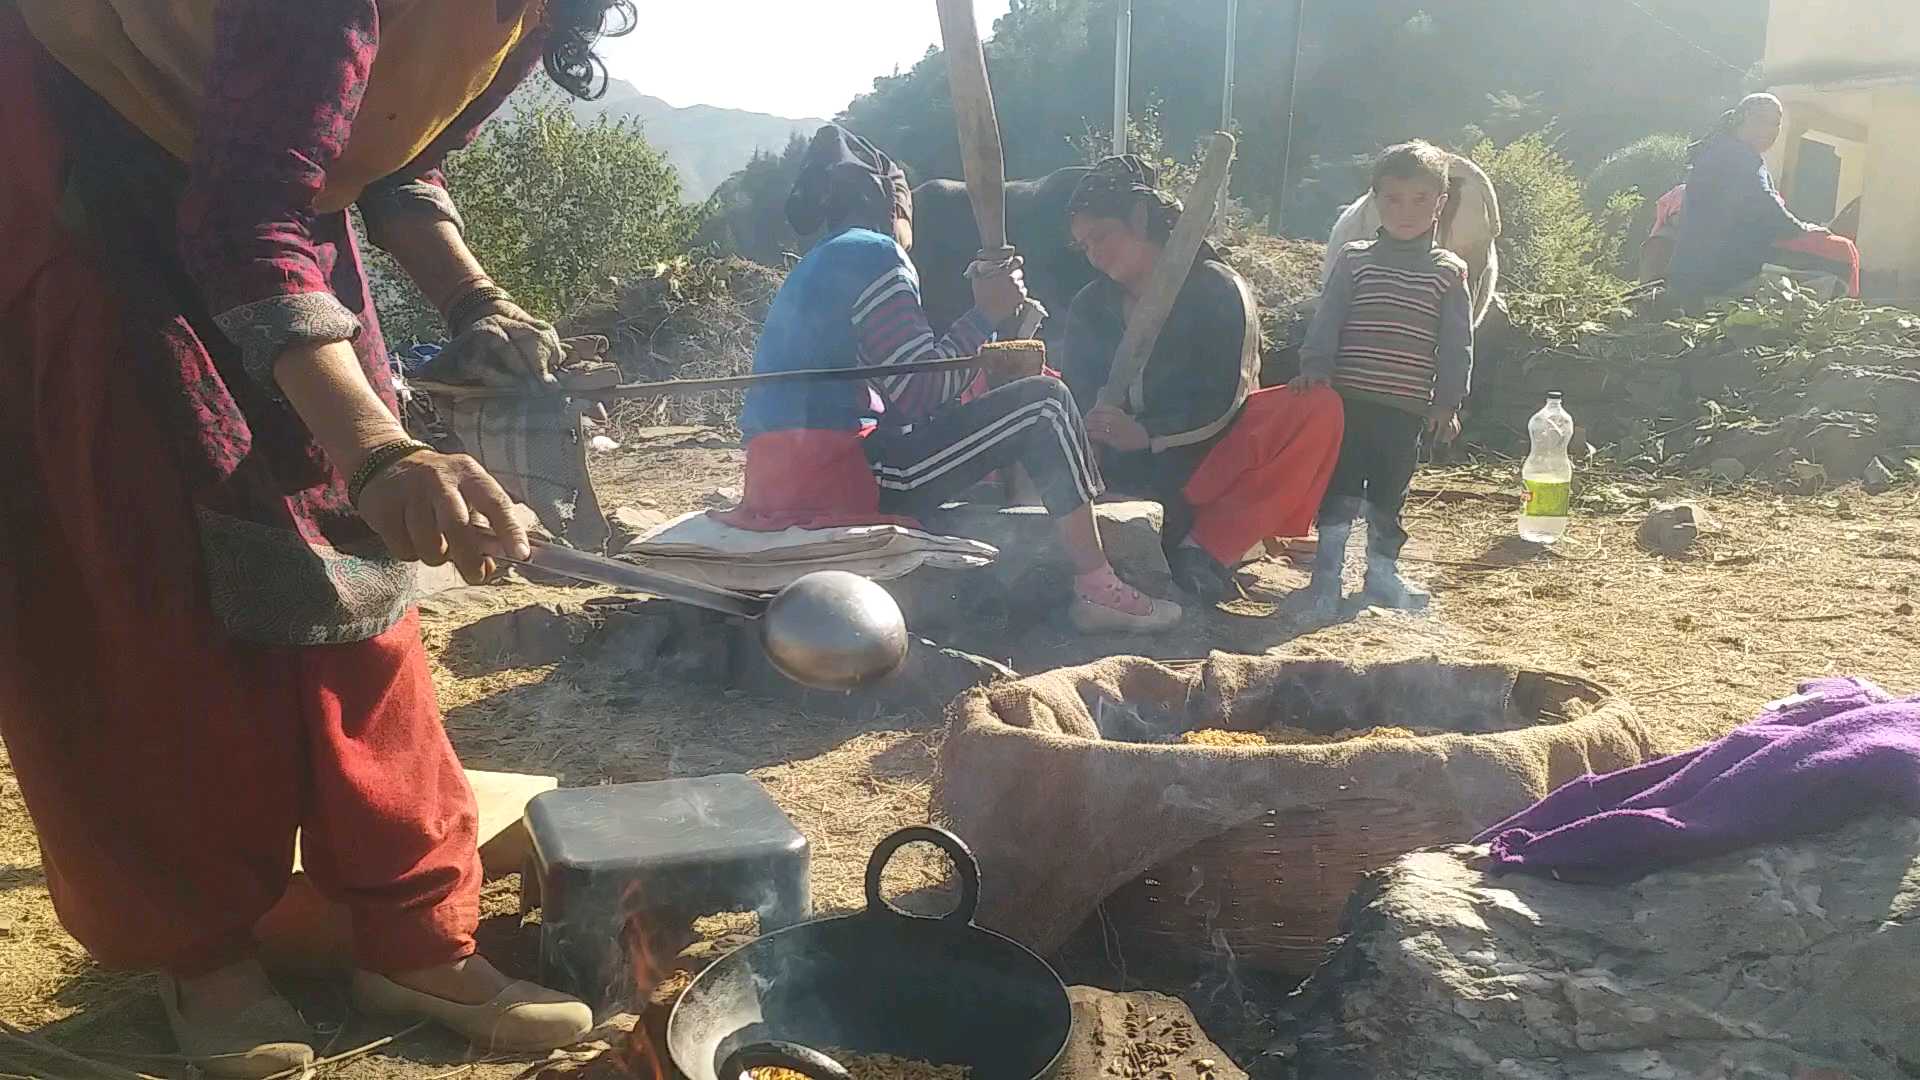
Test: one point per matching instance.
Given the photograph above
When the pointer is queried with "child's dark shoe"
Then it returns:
(1386, 588)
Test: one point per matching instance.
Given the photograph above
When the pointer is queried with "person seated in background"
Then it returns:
(1656, 253)
(1846, 223)
(1733, 221)
(1232, 464)
(1800, 251)
(894, 447)
(1394, 335)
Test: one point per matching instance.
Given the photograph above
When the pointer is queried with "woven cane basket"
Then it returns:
(1269, 894)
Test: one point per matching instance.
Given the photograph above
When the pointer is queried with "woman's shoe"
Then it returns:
(523, 1017)
(264, 1039)
(1121, 608)
(1201, 576)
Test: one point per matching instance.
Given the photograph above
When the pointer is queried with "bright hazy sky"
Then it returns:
(792, 58)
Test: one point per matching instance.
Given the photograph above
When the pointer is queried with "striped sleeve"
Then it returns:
(891, 327)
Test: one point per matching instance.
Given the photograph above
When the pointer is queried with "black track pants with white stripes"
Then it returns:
(1030, 422)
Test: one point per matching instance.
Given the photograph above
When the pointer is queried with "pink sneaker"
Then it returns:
(1113, 606)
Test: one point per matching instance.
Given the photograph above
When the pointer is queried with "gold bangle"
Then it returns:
(383, 457)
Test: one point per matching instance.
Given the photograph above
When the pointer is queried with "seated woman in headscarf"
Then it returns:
(894, 447)
(1733, 221)
(1231, 463)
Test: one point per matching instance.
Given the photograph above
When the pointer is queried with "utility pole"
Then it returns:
(1122, 73)
(1226, 91)
(1293, 88)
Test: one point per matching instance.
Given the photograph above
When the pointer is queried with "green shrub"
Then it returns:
(1650, 166)
(1643, 171)
(553, 209)
(747, 213)
(1550, 242)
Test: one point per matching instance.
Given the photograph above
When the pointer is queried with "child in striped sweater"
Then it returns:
(1394, 335)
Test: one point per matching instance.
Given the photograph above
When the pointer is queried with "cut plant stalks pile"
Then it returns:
(1781, 387)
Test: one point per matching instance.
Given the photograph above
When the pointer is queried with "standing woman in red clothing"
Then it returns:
(208, 509)
(1230, 463)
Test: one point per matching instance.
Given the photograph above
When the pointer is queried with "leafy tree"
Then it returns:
(1369, 75)
(1550, 242)
(746, 215)
(553, 208)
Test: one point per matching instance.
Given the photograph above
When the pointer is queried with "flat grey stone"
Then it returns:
(1779, 961)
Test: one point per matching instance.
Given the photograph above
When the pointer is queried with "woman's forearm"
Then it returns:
(435, 255)
(330, 392)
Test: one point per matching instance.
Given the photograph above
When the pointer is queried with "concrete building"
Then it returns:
(1849, 71)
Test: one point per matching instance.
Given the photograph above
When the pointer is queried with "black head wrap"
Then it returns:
(1119, 184)
(845, 180)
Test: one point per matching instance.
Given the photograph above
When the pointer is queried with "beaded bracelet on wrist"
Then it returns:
(383, 457)
(466, 310)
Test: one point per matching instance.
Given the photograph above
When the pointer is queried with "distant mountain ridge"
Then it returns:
(706, 143)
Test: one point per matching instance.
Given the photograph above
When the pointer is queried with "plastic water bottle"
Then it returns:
(1548, 474)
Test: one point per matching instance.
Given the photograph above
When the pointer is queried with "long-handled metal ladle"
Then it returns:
(830, 630)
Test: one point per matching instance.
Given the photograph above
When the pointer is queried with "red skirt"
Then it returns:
(166, 766)
(1266, 477)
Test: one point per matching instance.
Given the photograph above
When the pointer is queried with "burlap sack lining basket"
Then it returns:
(1271, 891)
(1055, 783)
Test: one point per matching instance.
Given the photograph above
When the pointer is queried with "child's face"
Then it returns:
(1409, 208)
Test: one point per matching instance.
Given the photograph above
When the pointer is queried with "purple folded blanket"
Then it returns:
(1838, 750)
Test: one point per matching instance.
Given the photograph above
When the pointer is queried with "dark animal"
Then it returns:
(945, 240)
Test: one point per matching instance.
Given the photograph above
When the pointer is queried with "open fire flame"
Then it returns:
(644, 1055)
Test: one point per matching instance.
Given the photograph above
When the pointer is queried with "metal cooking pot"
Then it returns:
(882, 981)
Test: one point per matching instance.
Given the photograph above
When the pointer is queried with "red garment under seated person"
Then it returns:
(1841, 253)
(1266, 477)
(809, 478)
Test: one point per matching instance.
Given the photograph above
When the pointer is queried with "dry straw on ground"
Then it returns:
(1789, 588)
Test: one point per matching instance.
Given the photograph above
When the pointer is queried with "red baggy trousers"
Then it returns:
(1267, 475)
(167, 767)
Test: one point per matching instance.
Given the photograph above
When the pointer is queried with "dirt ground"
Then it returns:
(1790, 587)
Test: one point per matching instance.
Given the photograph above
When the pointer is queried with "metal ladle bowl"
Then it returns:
(833, 630)
(829, 630)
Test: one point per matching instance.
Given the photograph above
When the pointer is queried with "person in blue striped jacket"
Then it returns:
(895, 446)
(1394, 335)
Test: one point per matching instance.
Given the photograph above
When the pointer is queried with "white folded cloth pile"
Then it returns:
(698, 547)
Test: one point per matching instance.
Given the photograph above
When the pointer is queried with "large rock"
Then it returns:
(1893, 396)
(1672, 529)
(1844, 442)
(1777, 963)
(1878, 478)
(1032, 575)
(1031, 581)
